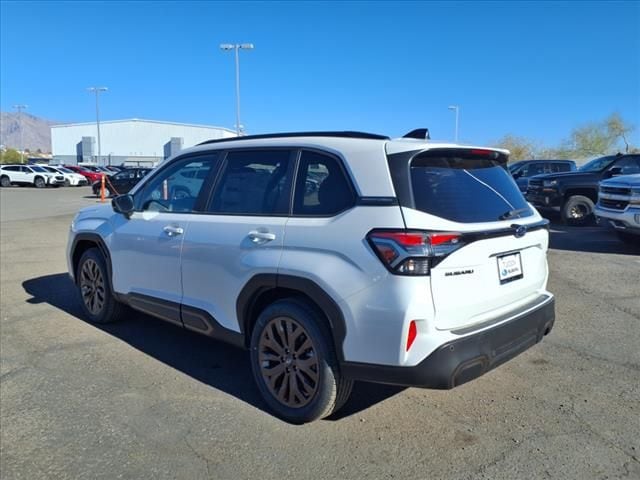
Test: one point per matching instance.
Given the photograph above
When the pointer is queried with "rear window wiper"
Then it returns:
(512, 213)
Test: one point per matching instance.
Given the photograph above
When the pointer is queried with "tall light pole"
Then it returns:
(97, 91)
(237, 47)
(457, 109)
(20, 108)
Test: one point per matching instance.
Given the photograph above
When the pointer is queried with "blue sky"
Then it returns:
(533, 69)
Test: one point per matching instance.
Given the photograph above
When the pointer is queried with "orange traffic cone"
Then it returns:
(102, 189)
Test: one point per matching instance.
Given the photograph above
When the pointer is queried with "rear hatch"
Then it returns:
(498, 261)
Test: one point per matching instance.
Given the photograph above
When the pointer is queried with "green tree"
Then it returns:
(10, 156)
(601, 138)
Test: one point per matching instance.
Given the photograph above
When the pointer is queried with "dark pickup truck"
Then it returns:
(574, 194)
(523, 170)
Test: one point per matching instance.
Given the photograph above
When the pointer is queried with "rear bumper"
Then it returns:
(459, 361)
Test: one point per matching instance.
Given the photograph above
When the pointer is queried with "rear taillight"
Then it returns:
(406, 252)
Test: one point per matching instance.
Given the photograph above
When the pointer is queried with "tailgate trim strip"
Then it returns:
(538, 302)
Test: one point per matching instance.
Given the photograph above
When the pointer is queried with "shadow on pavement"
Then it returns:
(593, 239)
(215, 363)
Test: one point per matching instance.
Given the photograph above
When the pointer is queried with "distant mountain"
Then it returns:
(37, 131)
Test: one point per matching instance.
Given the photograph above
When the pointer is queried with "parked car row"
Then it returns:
(34, 175)
(41, 176)
(120, 182)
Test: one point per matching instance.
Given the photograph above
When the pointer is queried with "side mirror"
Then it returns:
(123, 204)
(517, 175)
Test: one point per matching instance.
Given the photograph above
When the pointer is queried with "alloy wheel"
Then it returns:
(92, 286)
(578, 212)
(288, 362)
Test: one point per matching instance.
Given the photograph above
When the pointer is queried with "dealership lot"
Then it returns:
(144, 399)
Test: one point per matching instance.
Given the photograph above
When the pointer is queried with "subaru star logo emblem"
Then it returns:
(521, 230)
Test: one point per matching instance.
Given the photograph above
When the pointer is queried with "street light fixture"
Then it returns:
(97, 91)
(457, 109)
(20, 108)
(237, 47)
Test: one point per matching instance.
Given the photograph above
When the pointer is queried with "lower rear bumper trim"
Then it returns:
(464, 359)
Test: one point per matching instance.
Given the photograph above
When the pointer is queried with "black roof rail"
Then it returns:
(342, 134)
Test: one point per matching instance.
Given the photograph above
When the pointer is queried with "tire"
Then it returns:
(629, 238)
(67, 183)
(310, 357)
(5, 181)
(39, 182)
(92, 277)
(577, 210)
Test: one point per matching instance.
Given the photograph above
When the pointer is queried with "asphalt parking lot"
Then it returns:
(144, 399)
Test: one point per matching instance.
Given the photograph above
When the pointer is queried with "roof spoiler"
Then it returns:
(419, 133)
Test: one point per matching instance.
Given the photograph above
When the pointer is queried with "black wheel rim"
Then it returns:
(92, 287)
(288, 362)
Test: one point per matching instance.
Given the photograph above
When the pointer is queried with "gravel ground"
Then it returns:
(144, 399)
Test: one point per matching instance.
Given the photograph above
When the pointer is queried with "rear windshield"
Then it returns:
(466, 188)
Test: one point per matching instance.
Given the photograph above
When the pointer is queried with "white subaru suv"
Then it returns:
(34, 175)
(331, 257)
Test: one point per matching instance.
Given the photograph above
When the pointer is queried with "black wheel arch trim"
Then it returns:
(262, 283)
(99, 242)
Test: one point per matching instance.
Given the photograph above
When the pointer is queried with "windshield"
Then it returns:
(64, 170)
(514, 167)
(38, 169)
(598, 164)
(465, 188)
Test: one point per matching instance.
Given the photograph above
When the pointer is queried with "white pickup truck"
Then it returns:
(619, 204)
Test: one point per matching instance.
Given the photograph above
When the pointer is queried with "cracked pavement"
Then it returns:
(144, 399)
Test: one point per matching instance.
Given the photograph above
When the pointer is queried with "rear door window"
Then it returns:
(560, 167)
(467, 187)
(254, 182)
(535, 169)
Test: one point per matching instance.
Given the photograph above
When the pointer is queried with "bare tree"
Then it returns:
(520, 147)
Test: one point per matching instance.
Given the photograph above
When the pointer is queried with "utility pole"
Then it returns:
(20, 108)
(457, 109)
(237, 47)
(97, 91)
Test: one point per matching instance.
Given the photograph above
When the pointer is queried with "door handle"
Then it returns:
(173, 231)
(259, 237)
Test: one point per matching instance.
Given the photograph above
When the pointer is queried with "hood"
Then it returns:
(101, 211)
(626, 180)
(572, 175)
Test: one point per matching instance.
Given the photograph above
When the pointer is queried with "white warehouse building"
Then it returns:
(130, 142)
